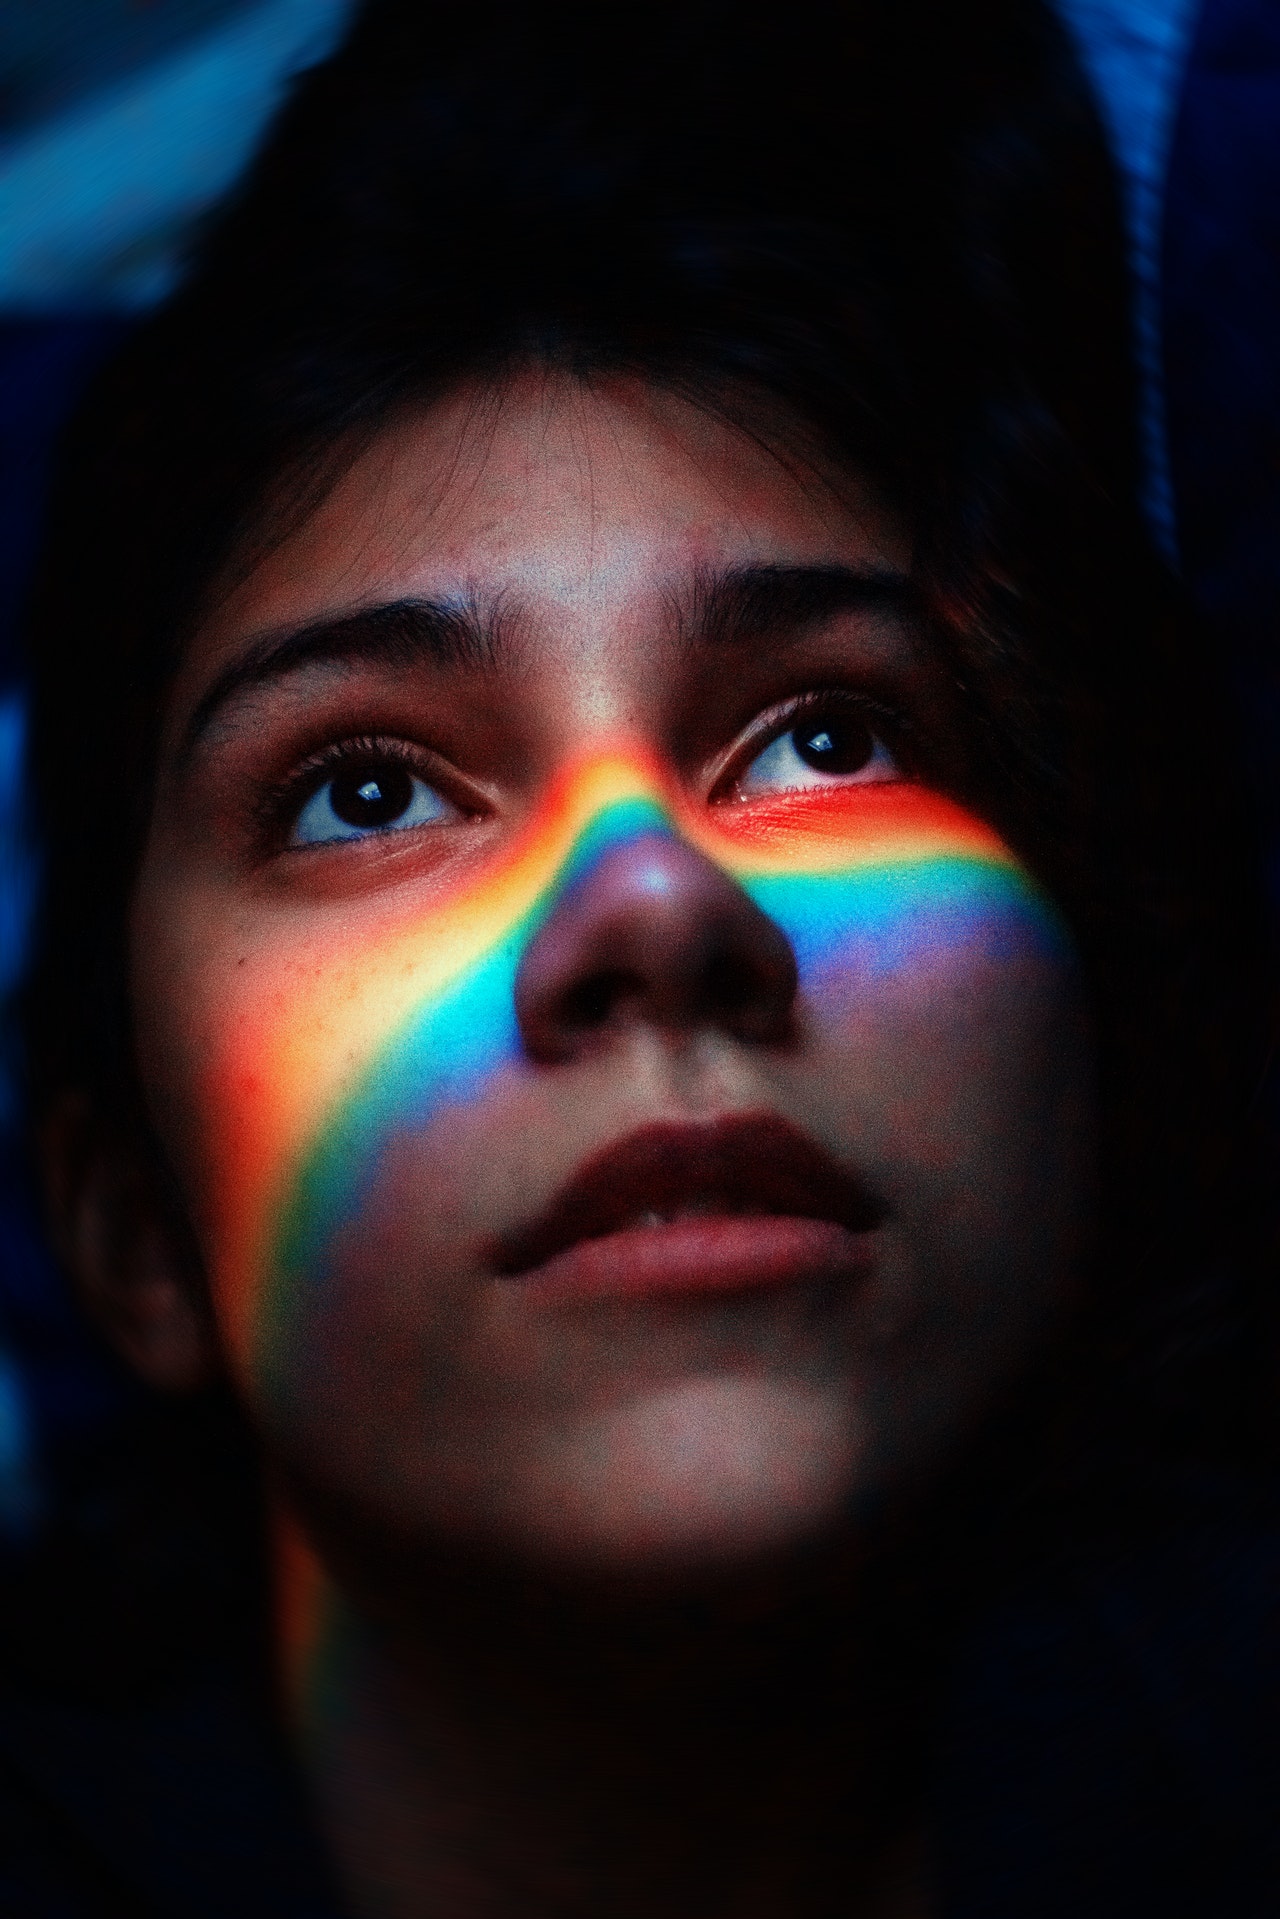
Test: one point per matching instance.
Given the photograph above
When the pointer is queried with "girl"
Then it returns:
(646, 945)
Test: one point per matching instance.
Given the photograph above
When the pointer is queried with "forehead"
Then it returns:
(557, 501)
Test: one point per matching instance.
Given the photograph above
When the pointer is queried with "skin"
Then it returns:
(439, 1432)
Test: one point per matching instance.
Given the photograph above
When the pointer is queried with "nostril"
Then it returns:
(592, 1001)
(752, 995)
(730, 985)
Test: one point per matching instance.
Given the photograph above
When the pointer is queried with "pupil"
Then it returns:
(835, 745)
(372, 799)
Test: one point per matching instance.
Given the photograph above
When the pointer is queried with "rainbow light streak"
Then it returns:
(865, 879)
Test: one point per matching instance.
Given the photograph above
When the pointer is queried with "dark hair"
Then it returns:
(895, 220)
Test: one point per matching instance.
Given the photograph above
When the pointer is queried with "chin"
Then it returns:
(705, 1473)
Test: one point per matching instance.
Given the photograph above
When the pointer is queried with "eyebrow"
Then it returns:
(742, 606)
(397, 633)
(750, 604)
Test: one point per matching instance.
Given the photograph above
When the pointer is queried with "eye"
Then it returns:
(370, 798)
(830, 745)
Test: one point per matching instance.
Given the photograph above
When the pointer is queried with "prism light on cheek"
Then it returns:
(341, 1059)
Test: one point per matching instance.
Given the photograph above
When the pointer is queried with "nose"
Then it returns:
(654, 932)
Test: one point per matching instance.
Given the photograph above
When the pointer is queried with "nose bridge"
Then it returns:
(644, 813)
(643, 925)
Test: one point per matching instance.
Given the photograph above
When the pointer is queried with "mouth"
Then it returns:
(729, 1206)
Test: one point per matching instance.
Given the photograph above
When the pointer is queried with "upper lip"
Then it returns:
(742, 1164)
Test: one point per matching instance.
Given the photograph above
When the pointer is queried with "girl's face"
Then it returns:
(631, 1117)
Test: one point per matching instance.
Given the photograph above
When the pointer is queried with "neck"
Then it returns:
(489, 1746)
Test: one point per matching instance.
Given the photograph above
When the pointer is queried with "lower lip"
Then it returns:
(714, 1255)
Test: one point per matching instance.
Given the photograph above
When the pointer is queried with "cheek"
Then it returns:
(214, 1024)
(944, 975)
(949, 1040)
(260, 1074)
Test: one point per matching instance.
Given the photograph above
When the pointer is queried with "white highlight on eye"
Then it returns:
(319, 822)
(781, 768)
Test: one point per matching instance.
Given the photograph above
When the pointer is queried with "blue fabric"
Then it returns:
(98, 198)
(1222, 358)
(1134, 52)
(1222, 313)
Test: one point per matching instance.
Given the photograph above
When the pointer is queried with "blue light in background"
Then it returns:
(20, 1497)
(97, 201)
(17, 891)
(1135, 52)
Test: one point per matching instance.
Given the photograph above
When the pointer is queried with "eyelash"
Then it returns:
(888, 723)
(281, 803)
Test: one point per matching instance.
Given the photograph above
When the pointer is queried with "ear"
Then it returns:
(118, 1228)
